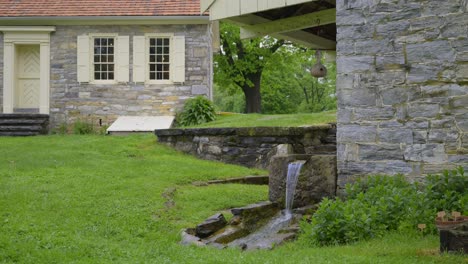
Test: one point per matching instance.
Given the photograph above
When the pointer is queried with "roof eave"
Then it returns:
(104, 20)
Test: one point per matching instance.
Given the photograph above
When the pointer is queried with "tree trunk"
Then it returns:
(253, 99)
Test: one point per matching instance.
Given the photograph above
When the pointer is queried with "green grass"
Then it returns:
(96, 199)
(252, 120)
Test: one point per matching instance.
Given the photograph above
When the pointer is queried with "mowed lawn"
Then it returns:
(103, 199)
(259, 120)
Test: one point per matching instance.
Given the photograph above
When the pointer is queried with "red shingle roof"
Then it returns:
(70, 8)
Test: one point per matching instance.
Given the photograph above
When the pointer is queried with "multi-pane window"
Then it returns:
(103, 58)
(159, 61)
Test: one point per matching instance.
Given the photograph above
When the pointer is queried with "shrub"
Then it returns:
(81, 127)
(197, 111)
(383, 203)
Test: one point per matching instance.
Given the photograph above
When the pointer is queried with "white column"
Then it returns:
(44, 90)
(8, 77)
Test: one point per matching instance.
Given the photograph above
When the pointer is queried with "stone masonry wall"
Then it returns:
(71, 100)
(402, 84)
(251, 147)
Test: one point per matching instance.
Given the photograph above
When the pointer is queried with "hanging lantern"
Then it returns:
(318, 70)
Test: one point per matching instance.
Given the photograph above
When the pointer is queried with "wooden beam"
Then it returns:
(301, 37)
(315, 19)
(307, 39)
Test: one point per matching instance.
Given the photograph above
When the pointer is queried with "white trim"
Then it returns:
(8, 77)
(27, 29)
(26, 35)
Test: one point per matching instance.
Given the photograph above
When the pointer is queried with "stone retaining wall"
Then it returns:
(251, 147)
(402, 87)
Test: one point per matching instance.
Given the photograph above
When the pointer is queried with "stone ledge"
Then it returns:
(243, 131)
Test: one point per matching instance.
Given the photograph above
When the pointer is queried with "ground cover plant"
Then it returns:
(102, 199)
(378, 204)
(258, 120)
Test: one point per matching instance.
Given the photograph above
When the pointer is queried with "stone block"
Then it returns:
(431, 153)
(392, 29)
(352, 19)
(422, 109)
(199, 90)
(462, 121)
(442, 136)
(422, 73)
(462, 73)
(377, 113)
(210, 225)
(380, 152)
(357, 97)
(395, 136)
(424, 52)
(356, 133)
(353, 64)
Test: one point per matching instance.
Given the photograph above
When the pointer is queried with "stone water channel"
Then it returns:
(295, 181)
(265, 224)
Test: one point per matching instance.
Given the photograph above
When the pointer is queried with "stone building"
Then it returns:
(96, 60)
(402, 75)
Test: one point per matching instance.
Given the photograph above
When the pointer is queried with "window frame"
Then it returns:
(147, 56)
(92, 36)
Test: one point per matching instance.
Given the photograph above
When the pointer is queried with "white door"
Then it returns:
(28, 73)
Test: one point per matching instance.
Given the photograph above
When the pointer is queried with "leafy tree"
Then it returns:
(241, 63)
(283, 75)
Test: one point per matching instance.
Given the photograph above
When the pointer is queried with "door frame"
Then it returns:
(25, 35)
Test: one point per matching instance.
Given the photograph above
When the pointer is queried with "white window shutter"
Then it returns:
(83, 60)
(178, 59)
(139, 60)
(123, 54)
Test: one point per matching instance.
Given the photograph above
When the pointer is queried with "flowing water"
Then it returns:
(294, 169)
(268, 234)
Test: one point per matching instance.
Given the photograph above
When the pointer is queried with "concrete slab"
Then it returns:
(139, 124)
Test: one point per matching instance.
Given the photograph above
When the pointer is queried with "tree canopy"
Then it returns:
(269, 76)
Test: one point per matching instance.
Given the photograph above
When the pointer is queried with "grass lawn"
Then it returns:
(250, 120)
(96, 199)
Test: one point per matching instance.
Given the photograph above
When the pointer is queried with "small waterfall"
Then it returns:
(294, 168)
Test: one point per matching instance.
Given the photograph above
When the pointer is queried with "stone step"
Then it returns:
(23, 124)
(25, 116)
(32, 128)
(18, 133)
(22, 121)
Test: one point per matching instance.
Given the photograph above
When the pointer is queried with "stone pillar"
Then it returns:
(402, 86)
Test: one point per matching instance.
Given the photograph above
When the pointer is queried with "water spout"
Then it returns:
(294, 168)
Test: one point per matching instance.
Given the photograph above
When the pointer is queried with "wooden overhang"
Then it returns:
(311, 23)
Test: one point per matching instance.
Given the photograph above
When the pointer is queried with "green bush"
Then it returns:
(81, 127)
(382, 203)
(197, 111)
